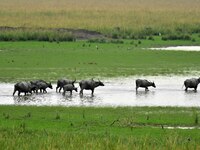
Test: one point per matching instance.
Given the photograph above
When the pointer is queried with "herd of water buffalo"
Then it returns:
(68, 85)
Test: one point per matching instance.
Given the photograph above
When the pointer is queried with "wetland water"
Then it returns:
(179, 48)
(169, 91)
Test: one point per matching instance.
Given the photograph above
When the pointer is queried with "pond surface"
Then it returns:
(169, 91)
(179, 48)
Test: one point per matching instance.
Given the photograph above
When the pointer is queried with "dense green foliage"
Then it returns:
(35, 35)
(30, 127)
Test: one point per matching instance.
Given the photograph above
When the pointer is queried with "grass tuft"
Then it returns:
(57, 116)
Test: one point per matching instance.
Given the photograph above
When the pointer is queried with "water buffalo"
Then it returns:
(25, 87)
(69, 87)
(144, 84)
(35, 83)
(62, 82)
(191, 83)
(89, 85)
(41, 85)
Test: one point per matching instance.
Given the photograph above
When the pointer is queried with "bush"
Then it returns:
(102, 40)
(177, 37)
(35, 35)
(115, 35)
(117, 41)
(151, 38)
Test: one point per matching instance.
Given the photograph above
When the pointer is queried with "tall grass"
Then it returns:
(30, 139)
(37, 35)
(128, 17)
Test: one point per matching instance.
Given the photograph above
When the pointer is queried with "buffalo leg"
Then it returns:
(186, 89)
(195, 89)
(136, 88)
(14, 92)
(81, 91)
(70, 93)
(57, 88)
(18, 93)
(64, 93)
(60, 89)
(92, 92)
(146, 89)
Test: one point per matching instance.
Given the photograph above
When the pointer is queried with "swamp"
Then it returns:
(116, 42)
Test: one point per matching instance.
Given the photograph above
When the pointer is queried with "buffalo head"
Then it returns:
(153, 84)
(100, 83)
(50, 86)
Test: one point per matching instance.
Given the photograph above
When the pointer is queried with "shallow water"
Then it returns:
(179, 48)
(116, 92)
(183, 128)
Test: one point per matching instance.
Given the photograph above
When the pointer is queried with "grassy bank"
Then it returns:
(45, 60)
(97, 128)
(110, 17)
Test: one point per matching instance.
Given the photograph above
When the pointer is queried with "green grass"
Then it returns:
(45, 60)
(97, 128)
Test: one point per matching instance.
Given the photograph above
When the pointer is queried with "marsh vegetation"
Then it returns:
(114, 18)
(107, 128)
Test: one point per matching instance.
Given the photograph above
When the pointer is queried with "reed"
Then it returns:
(128, 17)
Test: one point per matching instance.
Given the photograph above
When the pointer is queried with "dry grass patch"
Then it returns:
(128, 15)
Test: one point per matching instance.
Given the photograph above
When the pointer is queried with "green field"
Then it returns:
(45, 60)
(30, 127)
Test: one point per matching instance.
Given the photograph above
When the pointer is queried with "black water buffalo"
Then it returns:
(191, 83)
(62, 82)
(25, 87)
(89, 85)
(69, 87)
(41, 85)
(35, 82)
(144, 84)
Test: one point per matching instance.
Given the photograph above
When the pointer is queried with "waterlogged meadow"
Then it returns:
(107, 128)
(51, 61)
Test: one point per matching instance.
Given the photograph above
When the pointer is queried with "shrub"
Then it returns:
(117, 41)
(35, 35)
(115, 35)
(102, 40)
(151, 38)
(176, 37)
